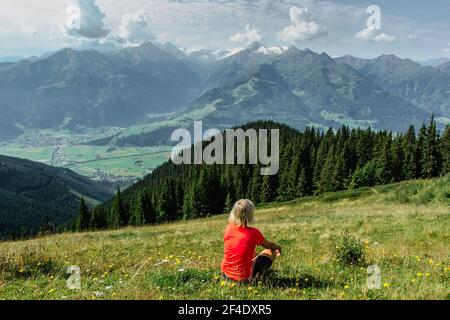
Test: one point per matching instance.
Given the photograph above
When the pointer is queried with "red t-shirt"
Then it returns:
(239, 251)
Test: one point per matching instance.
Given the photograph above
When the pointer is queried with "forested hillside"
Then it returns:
(36, 197)
(311, 163)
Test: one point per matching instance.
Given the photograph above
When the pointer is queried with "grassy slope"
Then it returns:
(405, 230)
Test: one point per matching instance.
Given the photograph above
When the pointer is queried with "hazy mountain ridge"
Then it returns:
(445, 67)
(88, 88)
(426, 87)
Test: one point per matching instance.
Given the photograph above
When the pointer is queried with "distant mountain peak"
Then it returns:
(257, 48)
(169, 44)
(148, 46)
(391, 58)
(277, 50)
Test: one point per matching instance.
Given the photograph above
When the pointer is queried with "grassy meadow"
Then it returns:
(404, 229)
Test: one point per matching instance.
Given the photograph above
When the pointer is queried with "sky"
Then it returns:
(411, 29)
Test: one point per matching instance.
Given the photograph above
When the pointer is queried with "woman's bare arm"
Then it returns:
(271, 245)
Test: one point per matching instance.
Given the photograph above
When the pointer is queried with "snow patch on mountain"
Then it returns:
(270, 51)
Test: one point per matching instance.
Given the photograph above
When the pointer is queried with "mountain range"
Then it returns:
(34, 196)
(303, 88)
(92, 89)
(89, 89)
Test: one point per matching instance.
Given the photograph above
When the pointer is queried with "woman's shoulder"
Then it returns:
(247, 229)
(253, 229)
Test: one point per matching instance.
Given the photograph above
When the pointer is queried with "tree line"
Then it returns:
(312, 162)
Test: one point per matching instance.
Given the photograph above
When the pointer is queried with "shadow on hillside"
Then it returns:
(302, 281)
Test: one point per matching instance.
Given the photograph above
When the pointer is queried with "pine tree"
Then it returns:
(149, 208)
(420, 147)
(341, 169)
(398, 158)
(384, 162)
(238, 183)
(292, 179)
(164, 203)
(190, 209)
(326, 183)
(267, 193)
(214, 197)
(179, 195)
(445, 147)
(364, 147)
(84, 216)
(98, 218)
(255, 185)
(322, 155)
(228, 203)
(303, 185)
(137, 216)
(409, 170)
(117, 214)
(431, 154)
(285, 177)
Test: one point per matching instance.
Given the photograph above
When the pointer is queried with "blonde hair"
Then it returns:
(242, 213)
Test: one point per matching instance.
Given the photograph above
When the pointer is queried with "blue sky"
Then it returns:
(418, 30)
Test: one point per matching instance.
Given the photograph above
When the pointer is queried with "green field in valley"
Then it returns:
(97, 162)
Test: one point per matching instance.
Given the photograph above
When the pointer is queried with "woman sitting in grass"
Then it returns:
(240, 262)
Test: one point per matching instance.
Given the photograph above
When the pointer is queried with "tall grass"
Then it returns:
(418, 192)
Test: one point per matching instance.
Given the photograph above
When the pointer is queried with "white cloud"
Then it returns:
(303, 28)
(374, 35)
(447, 49)
(248, 36)
(29, 30)
(209, 23)
(86, 20)
(134, 29)
(383, 37)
